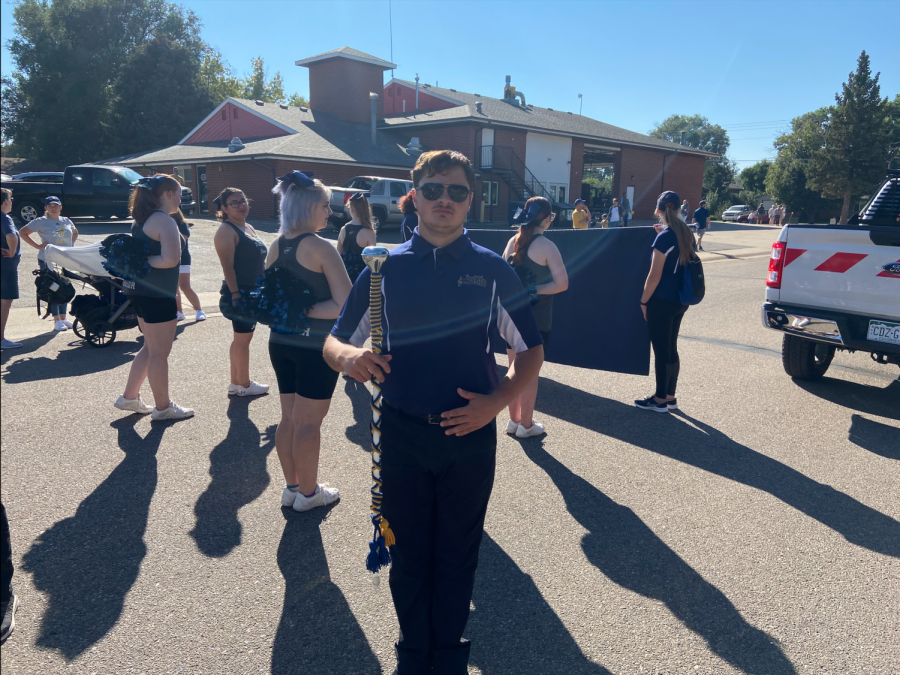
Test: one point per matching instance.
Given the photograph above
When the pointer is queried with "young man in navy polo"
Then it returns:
(445, 301)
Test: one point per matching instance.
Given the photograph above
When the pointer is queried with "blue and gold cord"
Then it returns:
(379, 555)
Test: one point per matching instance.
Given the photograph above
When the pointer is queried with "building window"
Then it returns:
(378, 188)
(490, 192)
(224, 114)
(186, 172)
(234, 113)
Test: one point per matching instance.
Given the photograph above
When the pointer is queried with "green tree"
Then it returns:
(856, 141)
(717, 176)
(218, 78)
(258, 88)
(296, 99)
(701, 134)
(753, 178)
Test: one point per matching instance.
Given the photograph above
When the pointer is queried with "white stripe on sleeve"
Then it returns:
(362, 332)
(509, 331)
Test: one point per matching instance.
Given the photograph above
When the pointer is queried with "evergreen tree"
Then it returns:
(258, 88)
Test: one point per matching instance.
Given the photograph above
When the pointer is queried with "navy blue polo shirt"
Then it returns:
(671, 281)
(442, 310)
(701, 215)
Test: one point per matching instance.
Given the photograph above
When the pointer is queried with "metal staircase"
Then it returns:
(502, 161)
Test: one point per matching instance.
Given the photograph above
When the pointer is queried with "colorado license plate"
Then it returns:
(884, 331)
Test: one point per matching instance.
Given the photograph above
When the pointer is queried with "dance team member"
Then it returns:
(242, 255)
(540, 267)
(443, 298)
(153, 296)
(54, 229)
(410, 218)
(660, 302)
(184, 272)
(305, 382)
(356, 234)
(9, 266)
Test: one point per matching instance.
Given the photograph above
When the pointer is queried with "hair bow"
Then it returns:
(523, 216)
(151, 182)
(302, 179)
(218, 202)
(359, 195)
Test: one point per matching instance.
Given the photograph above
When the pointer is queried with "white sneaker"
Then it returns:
(9, 344)
(201, 315)
(180, 316)
(512, 427)
(288, 496)
(323, 496)
(253, 389)
(59, 325)
(534, 430)
(135, 405)
(67, 323)
(173, 411)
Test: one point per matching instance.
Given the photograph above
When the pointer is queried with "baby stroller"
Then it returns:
(97, 317)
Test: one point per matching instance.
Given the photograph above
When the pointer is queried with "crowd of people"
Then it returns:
(439, 290)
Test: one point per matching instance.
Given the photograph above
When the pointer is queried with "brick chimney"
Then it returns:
(341, 80)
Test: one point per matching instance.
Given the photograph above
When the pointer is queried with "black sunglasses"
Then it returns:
(434, 191)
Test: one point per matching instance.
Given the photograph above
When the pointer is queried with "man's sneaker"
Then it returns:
(673, 404)
(173, 411)
(67, 323)
(512, 427)
(288, 496)
(323, 496)
(60, 325)
(700, 247)
(180, 316)
(9, 344)
(534, 430)
(9, 617)
(135, 405)
(201, 315)
(253, 389)
(650, 403)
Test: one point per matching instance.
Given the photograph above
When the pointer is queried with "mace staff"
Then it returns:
(379, 555)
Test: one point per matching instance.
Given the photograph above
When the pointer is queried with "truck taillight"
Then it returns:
(347, 196)
(776, 265)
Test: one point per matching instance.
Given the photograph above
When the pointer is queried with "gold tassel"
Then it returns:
(387, 533)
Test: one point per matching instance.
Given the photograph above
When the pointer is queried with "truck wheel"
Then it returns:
(28, 212)
(804, 359)
(380, 217)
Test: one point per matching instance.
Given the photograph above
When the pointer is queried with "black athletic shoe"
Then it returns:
(650, 403)
(9, 617)
(673, 404)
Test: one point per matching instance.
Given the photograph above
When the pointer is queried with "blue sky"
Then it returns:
(749, 66)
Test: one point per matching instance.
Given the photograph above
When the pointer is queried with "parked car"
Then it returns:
(87, 190)
(835, 287)
(41, 176)
(761, 220)
(735, 212)
(384, 197)
(340, 196)
(4, 177)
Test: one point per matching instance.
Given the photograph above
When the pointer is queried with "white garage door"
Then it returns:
(548, 158)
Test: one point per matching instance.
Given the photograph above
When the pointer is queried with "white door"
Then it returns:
(629, 192)
(487, 148)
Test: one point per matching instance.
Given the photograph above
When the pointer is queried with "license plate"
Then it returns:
(884, 331)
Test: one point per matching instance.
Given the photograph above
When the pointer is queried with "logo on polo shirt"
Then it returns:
(468, 280)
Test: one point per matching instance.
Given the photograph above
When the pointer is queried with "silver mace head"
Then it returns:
(374, 257)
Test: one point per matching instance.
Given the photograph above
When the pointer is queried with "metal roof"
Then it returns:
(347, 53)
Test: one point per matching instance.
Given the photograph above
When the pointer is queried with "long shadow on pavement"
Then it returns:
(360, 400)
(513, 630)
(875, 437)
(864, 398)
(239, 475)
(29, 345)
(707, 448)
(75, 362)
(620, 545)
(317, 632)
(86, 564)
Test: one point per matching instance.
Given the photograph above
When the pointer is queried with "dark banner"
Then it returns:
(597, 322)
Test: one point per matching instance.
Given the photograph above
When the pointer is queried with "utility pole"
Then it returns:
(580, 102)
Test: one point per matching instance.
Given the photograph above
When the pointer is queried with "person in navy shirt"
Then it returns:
(701, 219)
(447, 303)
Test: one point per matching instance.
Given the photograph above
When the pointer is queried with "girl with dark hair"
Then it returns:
(305, 381)
(539, 265)
(356, 235)
(153, 296)
(242, 255)
(410, 217)
(184, 271)
(660, 303)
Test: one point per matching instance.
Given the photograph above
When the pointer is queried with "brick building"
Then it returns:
(358, 125)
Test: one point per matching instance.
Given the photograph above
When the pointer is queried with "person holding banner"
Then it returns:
(539, 265)
(440, 300)
(660, 301)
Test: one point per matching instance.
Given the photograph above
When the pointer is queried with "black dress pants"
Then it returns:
(664, 321)
(436, 491)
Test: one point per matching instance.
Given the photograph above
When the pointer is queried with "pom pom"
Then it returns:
(372, 561)
(384, 555)
(284, 300)
(354, 264)
(125, 256)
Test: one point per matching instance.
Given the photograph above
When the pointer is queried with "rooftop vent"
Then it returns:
(303, 108)
(568, 113)
(258, 102)
(414, 145)
(478, 107)
(453, 90)
(510, 94)
(477, 94)
(550, 109)
(283, 106)
(235, 145)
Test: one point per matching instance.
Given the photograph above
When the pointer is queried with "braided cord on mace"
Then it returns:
(379, 556)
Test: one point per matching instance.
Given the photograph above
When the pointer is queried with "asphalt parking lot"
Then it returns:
(756, 531)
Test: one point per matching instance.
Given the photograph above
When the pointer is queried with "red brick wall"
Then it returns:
(397, 93)
(684, 175)
(342, 86)
(460, 138)
(576, 171)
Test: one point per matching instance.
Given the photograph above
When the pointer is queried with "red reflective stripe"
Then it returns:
(840, 262)
(888, 276)
(791, 254)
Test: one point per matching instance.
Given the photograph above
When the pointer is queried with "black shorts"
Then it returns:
(242, 326)
(154, 310)
(545, 336)
(9, 279)
(302, 371)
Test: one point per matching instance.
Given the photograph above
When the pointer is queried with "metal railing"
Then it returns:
(509, 165)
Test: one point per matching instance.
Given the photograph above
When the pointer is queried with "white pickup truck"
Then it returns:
(838, 287)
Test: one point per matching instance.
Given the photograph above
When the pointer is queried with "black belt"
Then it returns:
(428, 419)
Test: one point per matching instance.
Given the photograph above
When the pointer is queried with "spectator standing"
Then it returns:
(54, 229)
(773, 215)
(153, 296)
(539, 265)
(626, 209)
(177, 176)
(242, 255)
(701, 218)
(9, 272)
(685, 211)
(760, 213)
(184, 271)
(581, 217)
(660, 301)
(783, 214)
(356, 235)
(410, 219)
(614, 214)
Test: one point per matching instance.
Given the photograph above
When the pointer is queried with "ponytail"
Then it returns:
(146, 197)
(672, 218)
(536, 211)
(360, 209)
